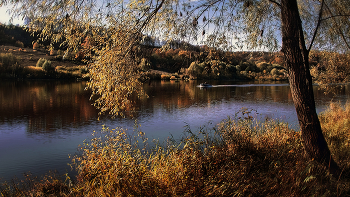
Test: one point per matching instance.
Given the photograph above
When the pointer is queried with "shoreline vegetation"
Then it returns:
(239, 157)
(18, 63)
(21, 63)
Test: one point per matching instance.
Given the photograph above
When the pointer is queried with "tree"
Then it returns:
(118, 28)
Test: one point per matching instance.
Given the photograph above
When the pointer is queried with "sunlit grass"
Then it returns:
(49, 185)
(239, 157)
(335, 122)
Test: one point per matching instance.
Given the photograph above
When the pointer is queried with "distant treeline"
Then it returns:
(15, 36)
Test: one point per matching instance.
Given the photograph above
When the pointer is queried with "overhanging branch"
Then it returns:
(336, 24)
(317, 26)
(275, 2)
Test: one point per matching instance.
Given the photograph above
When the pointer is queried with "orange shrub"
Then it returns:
(35, 45)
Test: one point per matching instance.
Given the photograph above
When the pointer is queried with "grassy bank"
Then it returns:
(239, 157)
(12, 67)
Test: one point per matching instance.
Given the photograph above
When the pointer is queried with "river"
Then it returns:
(43, 122)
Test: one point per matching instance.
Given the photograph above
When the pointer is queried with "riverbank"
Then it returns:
(24, 65)
(21, 64)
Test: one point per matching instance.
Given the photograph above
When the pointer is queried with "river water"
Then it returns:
(43, 122)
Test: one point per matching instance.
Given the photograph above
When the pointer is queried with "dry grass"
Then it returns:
(239, 157)
(50, 185)
(34, 69)
(335, 122)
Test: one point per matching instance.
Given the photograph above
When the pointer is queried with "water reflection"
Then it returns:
(175, 95)
(45, 105)
(49, 106)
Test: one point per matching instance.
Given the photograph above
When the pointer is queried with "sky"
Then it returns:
(5, 17)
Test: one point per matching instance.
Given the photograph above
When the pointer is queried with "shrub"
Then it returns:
(244, 73)
(262, 66)
(193, 69)
(51, 184)
(251, 67)
(243, 65)
(230, 68)
(8, 59)
(238, 68)
(40, 62)
(60, 52)
(278, 66)
(274, 71)
(174, 77)
(36, 45)
(19, 44)
(47, 66)
(144, 64)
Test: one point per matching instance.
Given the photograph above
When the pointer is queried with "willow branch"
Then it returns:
(317, 26)
(153, 14)
(206, 7)
(145, 22)
(336, 24)
(275, 2)
(334, 16)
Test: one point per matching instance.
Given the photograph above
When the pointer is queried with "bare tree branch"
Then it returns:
(319, 20)
(275, 2)
(334, 16)
(338, 27)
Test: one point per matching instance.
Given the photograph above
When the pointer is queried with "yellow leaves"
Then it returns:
(115, 79)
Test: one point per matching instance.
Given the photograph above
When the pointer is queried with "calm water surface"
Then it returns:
(42, 123)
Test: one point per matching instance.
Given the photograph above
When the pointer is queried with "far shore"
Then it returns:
(71, 68)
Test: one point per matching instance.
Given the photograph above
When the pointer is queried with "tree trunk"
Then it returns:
(297, 61)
